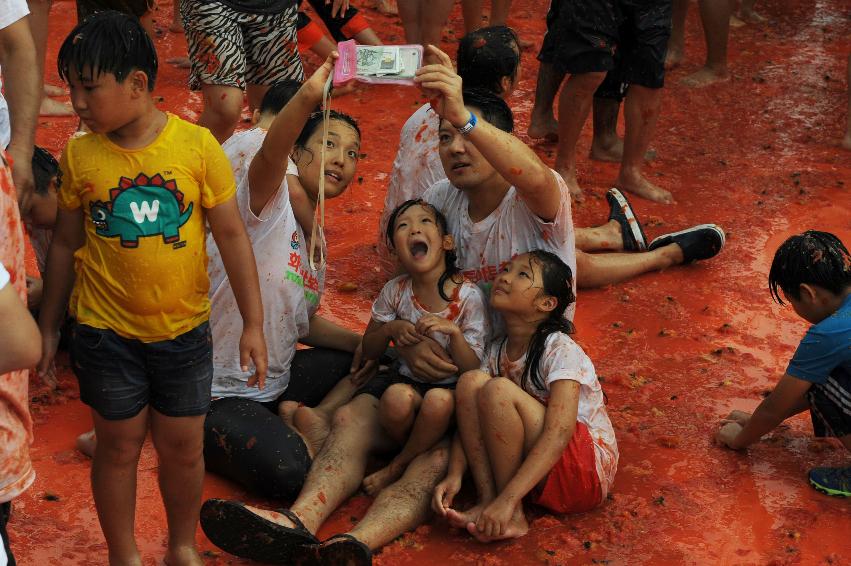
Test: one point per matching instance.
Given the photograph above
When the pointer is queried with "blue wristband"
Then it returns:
(468, 127)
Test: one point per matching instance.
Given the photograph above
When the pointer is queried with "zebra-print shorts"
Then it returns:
(232, 48)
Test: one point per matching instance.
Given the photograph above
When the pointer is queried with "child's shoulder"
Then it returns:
(398, 283)
(560, 343)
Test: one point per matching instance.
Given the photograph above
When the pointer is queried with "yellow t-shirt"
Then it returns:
(142, 271)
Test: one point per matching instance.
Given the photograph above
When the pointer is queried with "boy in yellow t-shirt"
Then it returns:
(134, 199)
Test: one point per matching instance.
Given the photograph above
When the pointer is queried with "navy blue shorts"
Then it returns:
(120, 376)
(381, 382)
(581, 36)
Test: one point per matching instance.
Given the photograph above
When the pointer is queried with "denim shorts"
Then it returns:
(120, 376)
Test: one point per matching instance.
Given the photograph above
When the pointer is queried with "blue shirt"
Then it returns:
(825, 350)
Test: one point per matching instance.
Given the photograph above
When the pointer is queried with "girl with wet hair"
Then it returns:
(539, 426)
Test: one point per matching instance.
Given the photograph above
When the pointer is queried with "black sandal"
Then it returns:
(237, 530)
(343, 550)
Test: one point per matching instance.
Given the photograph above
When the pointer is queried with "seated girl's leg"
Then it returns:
(431, 423)
(249, 444)
(470, 430)
(511, 420)
(398, 409)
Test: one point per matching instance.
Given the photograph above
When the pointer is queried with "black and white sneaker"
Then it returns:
(698, 242)
(632, 233)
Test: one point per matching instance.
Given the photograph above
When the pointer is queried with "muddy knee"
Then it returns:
(398, 404)
(438, 405)
(469, 385)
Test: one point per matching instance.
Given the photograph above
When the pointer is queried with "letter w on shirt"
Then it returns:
(145, 210)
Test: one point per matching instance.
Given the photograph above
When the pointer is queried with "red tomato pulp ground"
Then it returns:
(675, 351)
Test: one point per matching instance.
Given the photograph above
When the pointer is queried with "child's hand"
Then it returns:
(403, 333)
(252, 346)
(432, 323)
(443, 86)
(727, 435)
(739, 417)
(362, 371)
(495, 518)
(45, 369)
(444, 494)
(35, 287)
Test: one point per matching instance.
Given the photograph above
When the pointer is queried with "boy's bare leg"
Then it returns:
(511, 421)
(542, 122)
(677, 41)
(573, 107)
(470, 430)
(222, 109)
(404, 505)
(432, 422)
(114, 483)
(598, 270)
(471, 10)
(641, 111)
(605, 238)
(179, 442)
(337, 470)
(715, 16)
(846, 142)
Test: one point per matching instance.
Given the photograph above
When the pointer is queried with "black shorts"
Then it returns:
(381, 382)
(345, 26)
(830, 409)
(642, 46)
(120, 376)
(581, 36)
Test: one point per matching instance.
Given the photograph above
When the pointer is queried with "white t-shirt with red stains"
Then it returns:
(10, 12)
(417, 167)
(564, 359)
(467, 310)
(290, 290)
(486, 246)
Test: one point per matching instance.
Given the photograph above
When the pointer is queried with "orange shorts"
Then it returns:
(573, 486)
(309, 35)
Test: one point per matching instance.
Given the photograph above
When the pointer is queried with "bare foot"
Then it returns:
(313, 426)
(460, 519)
(846, 142)
(546, 128)
(387, 7)
(525, 44)
(704, 77)
(375, 482)
(176, 26)
(613, 153)
(569, 177)
(286, 410)
(50, 107)
(637, 184)
(516, 528)
(736, 22)
(751, 17)
(673, 59)
(86, 443)
(53, 90)
(183, 556)
(179, 62)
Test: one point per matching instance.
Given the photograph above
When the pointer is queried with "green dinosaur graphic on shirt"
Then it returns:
(139, 208)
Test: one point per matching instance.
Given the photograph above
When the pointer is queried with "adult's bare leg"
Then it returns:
(598, 270)
(573, 107)
(471, 10)
(39, 15)
(404, 505)
(542, 122)
(846, 142)
(677, 41)
(641, 110)
(255, 94)
(433, 16)
(606, 237)
(606, 145)
(715, 16)
(409, 13)
(499, 12)
(222, 109)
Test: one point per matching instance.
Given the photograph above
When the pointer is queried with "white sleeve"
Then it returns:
(4, 276)
(564, 359)
(384, 307)
(474, 319)
(11, 11)
(291, 167)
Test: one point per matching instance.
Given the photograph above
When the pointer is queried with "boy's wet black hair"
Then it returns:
(557, 282)
(488, 55)
(45, 167)
(451, 270)
(814, 258)
(108, 42)
(491, 107)
(278, 95)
